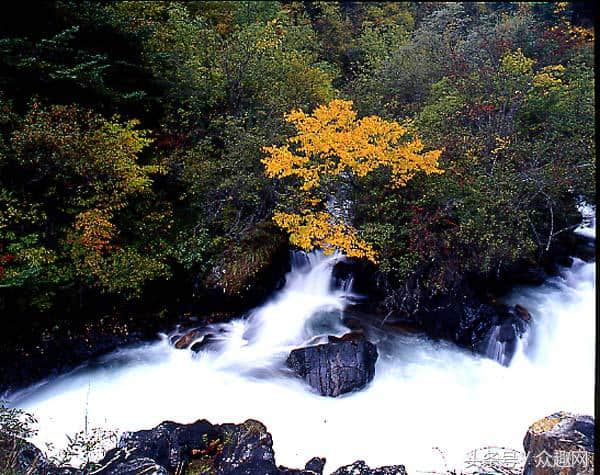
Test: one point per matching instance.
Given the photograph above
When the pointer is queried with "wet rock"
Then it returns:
(200, 447)
(464, 321)
(39, 351)
(528, 275)
(339, 366)
(491, 330)
(361, 468)
(20, 456)
(240, 449)
(313, 467)
(168, 445)
(188, 338)
(243, 278)
(247, 449)
(199, 345)
(560, 444)
(316, 465)
(522, 312)
(564, 261)
(131, 466)
(502, 339)
(586, 253)
(360, 273)
(353, 323)
(584, 247)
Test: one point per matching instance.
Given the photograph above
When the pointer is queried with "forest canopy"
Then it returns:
(186, 145)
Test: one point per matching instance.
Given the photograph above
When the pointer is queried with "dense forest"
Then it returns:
(161, 153)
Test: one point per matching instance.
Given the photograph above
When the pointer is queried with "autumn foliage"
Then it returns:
(332, 142)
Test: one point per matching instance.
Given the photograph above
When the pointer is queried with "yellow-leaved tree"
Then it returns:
(332, 142)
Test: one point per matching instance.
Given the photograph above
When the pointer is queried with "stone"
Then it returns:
(522, 312)
(131, 466)
(490, 330)
(188, 338)
(361, 468)
(316, 465)
(339, 366)
(204, 342)
(172, 448)
(239, 449)
(560, 444)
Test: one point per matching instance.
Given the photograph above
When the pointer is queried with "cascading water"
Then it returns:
(427, 398)
(306, 309)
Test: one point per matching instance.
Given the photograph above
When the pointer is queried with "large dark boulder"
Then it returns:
(464, 321)
(560, 444)
(201, 447)
(490, 330)
(581, 246)
(361, 468)
(339, 366)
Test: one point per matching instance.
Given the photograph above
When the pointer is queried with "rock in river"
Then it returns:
(188, 338)
(339, 366)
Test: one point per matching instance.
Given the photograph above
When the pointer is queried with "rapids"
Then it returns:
(429, 404)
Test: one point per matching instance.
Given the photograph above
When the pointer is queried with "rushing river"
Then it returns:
(424, 395)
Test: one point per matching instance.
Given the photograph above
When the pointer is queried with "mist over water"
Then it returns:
(424, 395)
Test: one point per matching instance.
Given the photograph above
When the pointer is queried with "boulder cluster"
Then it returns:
(186, 449)
(559, 444)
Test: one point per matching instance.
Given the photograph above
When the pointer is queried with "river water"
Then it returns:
(429, 404)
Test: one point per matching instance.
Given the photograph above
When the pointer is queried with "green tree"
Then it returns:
(69, 178)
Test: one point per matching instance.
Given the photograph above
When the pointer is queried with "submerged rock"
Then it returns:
(361, 468)
(560, 444)
(339, 366)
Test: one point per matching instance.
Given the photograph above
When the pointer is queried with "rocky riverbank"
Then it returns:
(198, 448)
(472, 316)
(560, 444)
(45, 350)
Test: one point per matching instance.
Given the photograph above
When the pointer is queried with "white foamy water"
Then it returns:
(424, 394)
